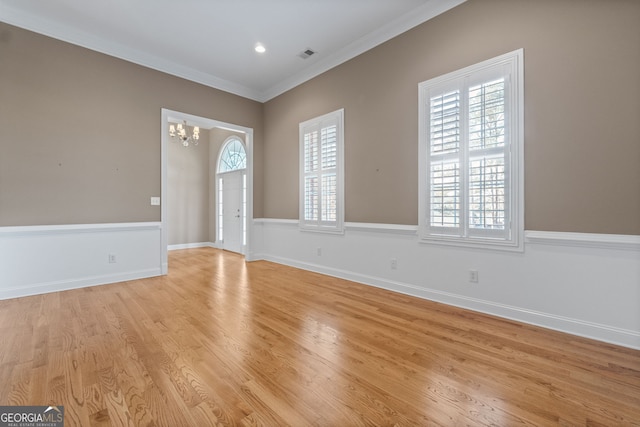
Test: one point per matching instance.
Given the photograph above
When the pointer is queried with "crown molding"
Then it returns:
(64, 33)
(429, 10)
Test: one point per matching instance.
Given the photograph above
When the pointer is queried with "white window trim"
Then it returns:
(514, 63)
(317, 226)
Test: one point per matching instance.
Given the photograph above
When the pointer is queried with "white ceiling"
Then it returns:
(212, 41)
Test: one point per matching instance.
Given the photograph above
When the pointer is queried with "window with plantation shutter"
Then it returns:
(471, 155)
(321, 173)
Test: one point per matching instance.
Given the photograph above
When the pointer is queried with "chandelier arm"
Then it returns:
(179, 133)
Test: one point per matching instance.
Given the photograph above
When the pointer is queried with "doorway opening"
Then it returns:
(246, 196)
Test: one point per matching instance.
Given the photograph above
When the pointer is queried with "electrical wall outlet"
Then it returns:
(473, 276)
(112, 258)
(393, 263)
(319, 251)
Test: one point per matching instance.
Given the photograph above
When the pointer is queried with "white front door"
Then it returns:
(232, 211)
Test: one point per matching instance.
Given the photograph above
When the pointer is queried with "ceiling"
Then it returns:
(212, 41)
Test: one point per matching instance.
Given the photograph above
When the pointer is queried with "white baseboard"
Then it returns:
(40, 259)
(65, 285)
(559, 323)
(191, 246)
(581, 284)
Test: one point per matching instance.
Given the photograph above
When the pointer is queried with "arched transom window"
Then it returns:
(233, 156)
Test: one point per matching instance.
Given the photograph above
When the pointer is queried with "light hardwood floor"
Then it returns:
(222, 342)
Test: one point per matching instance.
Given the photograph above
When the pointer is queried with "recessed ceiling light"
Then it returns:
(260, 48)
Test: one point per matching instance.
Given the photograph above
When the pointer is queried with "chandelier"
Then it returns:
(179, 133)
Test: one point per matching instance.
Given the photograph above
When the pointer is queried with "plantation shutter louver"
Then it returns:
(320, 143)
(445, 160)
(487, 156)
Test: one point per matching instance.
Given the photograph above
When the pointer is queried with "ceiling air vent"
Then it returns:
(306, 53)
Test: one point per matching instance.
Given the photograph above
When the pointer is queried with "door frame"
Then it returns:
(205, 123)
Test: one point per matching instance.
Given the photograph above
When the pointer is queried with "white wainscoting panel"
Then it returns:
(39, 259)
(583, 284)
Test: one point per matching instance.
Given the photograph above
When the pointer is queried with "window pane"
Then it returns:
(329, 141)
(311, 151)
(445, 123)
(471, 155)
(486, 115)
(311, 198)
(487, 193)
(329, 192)
(244, 209)
(220, 209)
(233, 157)
(445, 194)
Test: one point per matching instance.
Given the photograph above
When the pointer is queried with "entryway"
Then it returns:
(236, 231)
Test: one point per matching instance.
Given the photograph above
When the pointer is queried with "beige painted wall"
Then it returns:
(80, 132)
(582, 113)
(188, 191)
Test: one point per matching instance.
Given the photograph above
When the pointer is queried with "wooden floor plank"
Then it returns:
(222, 342)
